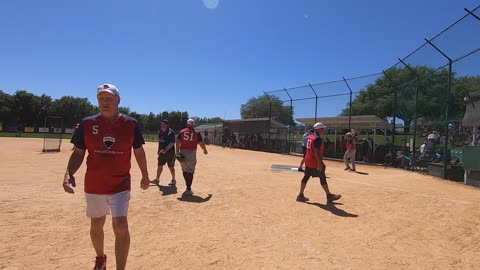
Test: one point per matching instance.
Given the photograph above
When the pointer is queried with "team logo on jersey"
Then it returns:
(108, 141)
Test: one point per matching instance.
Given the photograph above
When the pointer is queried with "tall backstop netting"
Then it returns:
(53, 132)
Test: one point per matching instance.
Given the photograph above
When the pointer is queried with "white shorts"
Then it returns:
(100, 205)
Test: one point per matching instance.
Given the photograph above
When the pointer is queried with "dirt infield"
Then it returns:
(386, 219)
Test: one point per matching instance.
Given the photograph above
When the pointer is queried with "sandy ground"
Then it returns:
(386, 219)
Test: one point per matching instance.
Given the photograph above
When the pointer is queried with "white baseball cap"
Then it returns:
(191, 122)
(318, 125)
(110, 88)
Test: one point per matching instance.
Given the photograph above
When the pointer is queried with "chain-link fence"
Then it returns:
(421, 96)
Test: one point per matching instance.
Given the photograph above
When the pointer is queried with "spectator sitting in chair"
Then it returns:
(403, 160)
(438, 156)
(423, 150)
(389, 159)
(434, 137)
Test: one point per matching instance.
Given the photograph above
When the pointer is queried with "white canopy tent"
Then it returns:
(357, 122)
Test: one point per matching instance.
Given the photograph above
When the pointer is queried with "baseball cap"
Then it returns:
(191, 122)
(318, 125)
(165, 121)
(110, 88)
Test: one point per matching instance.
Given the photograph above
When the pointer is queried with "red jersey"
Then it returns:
(189, 139)
(109, 147)
(313, 141)
(351, 144)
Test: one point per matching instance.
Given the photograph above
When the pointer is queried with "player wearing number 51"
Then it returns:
(186, 147)
(109, 138)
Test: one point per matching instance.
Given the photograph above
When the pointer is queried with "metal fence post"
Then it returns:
(447, 105)
(350, 105)
(415, 114)
(394, 105)
(316, 101)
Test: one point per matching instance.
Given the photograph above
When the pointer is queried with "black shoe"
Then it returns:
(333, 197)
(187, 193)
(346, 169)
(301, 198)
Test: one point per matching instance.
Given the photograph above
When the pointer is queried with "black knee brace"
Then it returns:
(323, 177)
(305, 179)
(188, 179)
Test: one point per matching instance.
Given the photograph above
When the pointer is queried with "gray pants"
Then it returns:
(350, 154)
(190, 160)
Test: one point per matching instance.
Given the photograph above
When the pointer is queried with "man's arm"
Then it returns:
(74, 163)
(202, 145)
(142, 164)
(177, 146)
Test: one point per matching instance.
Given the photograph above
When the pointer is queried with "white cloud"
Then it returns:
(211, 4)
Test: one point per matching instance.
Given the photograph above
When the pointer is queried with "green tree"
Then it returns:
(6, 105)
(177, 119)
(378, 98)
(259, 107)
(72, 109)
(25, 107)
(460, 87)
(45, 107)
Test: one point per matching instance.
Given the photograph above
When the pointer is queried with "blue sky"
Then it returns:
(208, 57)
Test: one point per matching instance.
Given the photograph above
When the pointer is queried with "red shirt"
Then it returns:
(313, 141)
(351, 144)
(189, 139)
(109, 147)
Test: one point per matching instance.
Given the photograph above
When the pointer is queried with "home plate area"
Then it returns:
(284, 168)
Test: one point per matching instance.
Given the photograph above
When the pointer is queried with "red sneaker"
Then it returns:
(101, 263)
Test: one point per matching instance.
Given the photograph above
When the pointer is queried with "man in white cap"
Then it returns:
(351, 152)
(314, 166)
(186, 147)
(109, 138)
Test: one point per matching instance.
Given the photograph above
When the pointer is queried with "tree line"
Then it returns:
(28, 109)
(377, 98)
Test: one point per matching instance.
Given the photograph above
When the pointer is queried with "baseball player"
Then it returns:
(314, 166)
(166, 152)
(351, 152)
(186, 147)
(108, 137)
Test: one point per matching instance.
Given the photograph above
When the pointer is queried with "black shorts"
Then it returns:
(167, 158)
(312, 172)
(304, 150)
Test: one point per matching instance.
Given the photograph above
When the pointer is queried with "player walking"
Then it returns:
(166, 152)
(314, 166)
(108, 137)
(350, 153)
(186, 146)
